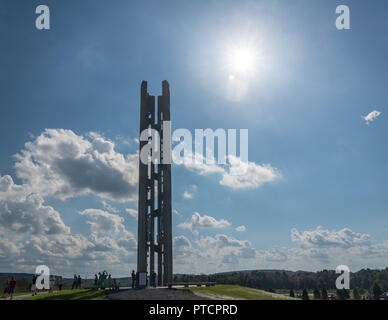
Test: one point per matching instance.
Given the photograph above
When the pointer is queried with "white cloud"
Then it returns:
(273, 255)
(198, 221)
(254, 175)
(33, 233)
(102, 221)
(227, 250)
(108, 245)
(196, 163)
(187, 195)
(64, 253)
(175, 211)
(109, 207)
(133, 213)
(236, 175)
(24, 212)
(317, 249)
(320, 238)
(241, 229)
(211, 254)
(62, 164)
(222, 241)
(372, 116)
(183, 250)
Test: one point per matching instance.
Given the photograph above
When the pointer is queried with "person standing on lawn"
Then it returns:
(5, 289)
(133, 278)
(79, 282)
(75, 281)
(33, 286)
(12, 286)
(60, 283)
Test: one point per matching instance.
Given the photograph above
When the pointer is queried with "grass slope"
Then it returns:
(82, 294)
(236, 292)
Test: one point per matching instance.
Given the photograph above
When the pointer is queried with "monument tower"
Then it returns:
(154, 223)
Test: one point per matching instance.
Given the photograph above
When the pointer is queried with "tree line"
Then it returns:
(364, 281)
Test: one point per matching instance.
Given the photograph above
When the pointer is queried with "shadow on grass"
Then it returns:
(74, 295)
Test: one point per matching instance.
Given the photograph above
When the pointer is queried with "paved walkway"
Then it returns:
(160, 293)
(27, 296)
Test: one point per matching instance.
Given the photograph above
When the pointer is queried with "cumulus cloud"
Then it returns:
(226, 249)
(62, 164)
(273, 255)
(237, 174)
(221, 241)
(175, 211)
(187, 195)
(316, 250)
(102, 221)
(241, 229)
(212, 254)
(198, 221)
(319, 238)
(63, 253)
(182, 249)
(132, 212)
(21, 211)
(252, 175)
(109, 207)
(372, 116)
(108, 244)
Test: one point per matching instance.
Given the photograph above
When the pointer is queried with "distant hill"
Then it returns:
(258, 270)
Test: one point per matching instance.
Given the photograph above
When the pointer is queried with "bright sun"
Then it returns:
(242, 60)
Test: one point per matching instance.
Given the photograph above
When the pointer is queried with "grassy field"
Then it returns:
(83, 294)
(20, 293)
(215, 292)
(236, 292)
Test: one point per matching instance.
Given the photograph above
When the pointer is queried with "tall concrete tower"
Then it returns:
(155, 227)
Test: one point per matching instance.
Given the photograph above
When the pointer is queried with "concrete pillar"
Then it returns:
(147, 198)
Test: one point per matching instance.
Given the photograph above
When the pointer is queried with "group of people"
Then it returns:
(52, 281)
(9, 288)
(77, 282)
(104, 280)
(135, 279)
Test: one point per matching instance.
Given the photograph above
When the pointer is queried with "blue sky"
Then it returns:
(303, 105)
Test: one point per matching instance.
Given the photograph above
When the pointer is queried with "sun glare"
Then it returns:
(242, 60)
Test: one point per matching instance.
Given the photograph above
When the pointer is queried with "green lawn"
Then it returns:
(21, 293)
(237, 292)
(82, 294)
